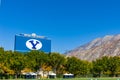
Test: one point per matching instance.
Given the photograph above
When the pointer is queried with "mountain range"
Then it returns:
(99, 47)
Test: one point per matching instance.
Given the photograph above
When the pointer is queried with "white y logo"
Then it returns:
(33, 44)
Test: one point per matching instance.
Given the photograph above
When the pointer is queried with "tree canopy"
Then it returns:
(15, 63)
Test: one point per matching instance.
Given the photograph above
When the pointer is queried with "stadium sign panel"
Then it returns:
(26, 43)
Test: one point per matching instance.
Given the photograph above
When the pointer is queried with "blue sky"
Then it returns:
(69, 23)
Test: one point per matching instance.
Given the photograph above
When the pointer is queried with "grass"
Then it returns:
(74, 79)
(86, 79)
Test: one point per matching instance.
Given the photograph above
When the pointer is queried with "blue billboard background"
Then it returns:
(20, 44)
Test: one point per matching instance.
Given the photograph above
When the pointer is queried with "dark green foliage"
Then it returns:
(36, 59)
(56, 61)
(77, 66)
(12, 63)
(107, 65)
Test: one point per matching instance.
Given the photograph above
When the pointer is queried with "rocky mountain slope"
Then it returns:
(106, 46)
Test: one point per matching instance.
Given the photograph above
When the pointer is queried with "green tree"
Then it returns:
(1, 50)
(85, 68)
(113, 65)
(17, 63)
(4, 61)
(109, 65)
(73, 65)
(56, 61)
(35, 60)
(97, 67)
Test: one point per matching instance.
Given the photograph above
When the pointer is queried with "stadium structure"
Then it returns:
(28, 42)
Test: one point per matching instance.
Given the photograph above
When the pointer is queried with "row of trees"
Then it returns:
(15, 63)
(107, 65)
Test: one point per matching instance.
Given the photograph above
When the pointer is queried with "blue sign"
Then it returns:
(24, 44)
